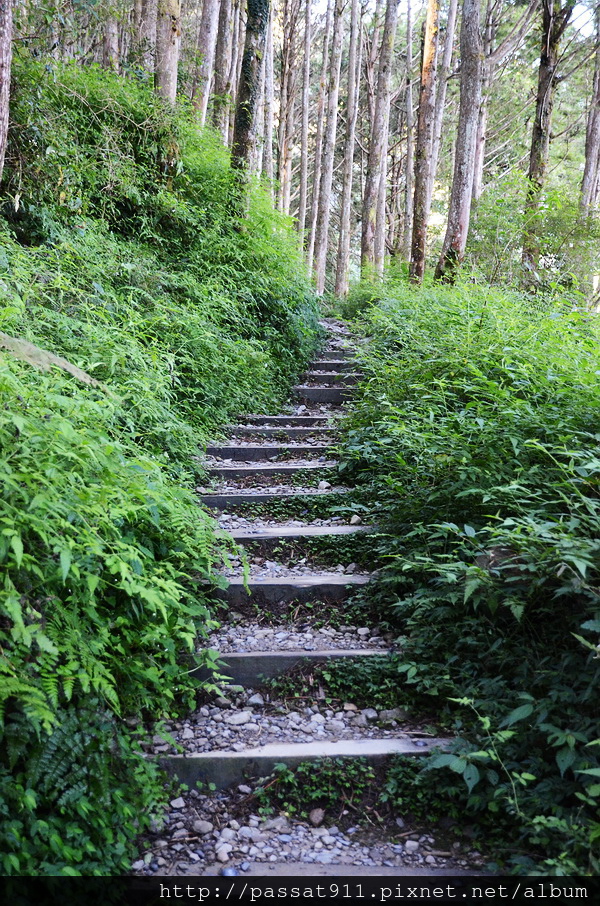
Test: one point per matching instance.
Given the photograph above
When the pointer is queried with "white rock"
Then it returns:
(237, 718)
(177, 803)
(411, 846)
(187, 733)
(203, 827)
(356, 520)
(256, 699)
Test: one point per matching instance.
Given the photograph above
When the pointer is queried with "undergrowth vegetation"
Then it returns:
(476, 438)
(118, 252)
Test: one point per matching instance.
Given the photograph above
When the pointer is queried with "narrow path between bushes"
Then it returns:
(286, 610)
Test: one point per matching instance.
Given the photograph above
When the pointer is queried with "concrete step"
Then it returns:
(336, 351)
(322, 394)
(298, 433)
(271, 468)
(338, 870)
(256, 452)
(292, 420)
(252, 668)
(333, 364)
(278, 533)
(226, 501)
(333, 378)
(326, 587)
(226, 768)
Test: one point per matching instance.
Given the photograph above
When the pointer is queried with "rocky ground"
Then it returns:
(243, 719)
(261, 568)
(227, 828)
(231, 522)
(254, 636)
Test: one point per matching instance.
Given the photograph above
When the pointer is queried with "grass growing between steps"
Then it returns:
(178, 321)
(475, 437)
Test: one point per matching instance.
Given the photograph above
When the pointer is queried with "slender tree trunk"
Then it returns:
(492, 59)
(268, 164)
(238, 56)
(471, 78)
(488, 41)
(6, 33)
(371, 58)
(354, 65)
(287, 102)
(147, 33)
(410, 142)
(249, 86)
(223, 53)
(322, 227)
(168, 34)
(381, 216)
(378, 139)
(303, 204)
(591, 172)
(207, 39)
(110, 50)
(425, 123)
(257, 163)
(319, 136)
(440, 99)
(554, 22)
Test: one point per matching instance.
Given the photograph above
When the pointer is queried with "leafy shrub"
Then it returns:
(142, 279)
(475, 438)
(331, 785)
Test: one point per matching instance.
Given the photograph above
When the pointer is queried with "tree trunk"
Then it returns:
(110, 49)
(425, 123)
(410, 143)
(249, 87)
(6, 30)
(223, 52)
(305, 124)
(207, 39)
(492, 59)
(147, 34)
(322, 227)
(589, 183)
(236, 66)
(554, 23)
(319, 136)
(168, 34)
(378, 138)
(287, 101)
(381, 215)
(341, 276)
(268, 165)
(471, 78)
(440, 99)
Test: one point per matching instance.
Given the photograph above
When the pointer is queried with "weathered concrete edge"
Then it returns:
(254, 667)
(226, 768)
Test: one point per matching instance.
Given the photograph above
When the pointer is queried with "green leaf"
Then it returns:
(519, 713)
(592, 625)
(17, 546)
(564, 759)
(65, 562)
(471, 776)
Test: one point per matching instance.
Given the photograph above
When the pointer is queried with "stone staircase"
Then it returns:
(273, 485)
